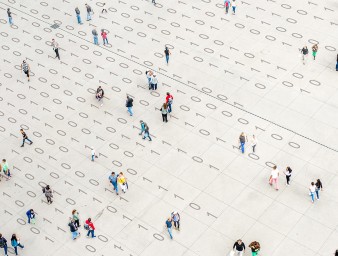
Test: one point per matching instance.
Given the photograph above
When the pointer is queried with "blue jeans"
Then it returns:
(234, 9)
(242, 147)
(96, 40)
(170, 234)
(130, 110)
(93, 157)
(78, 19)
(6, 249)
(116, 188)
(317, 193)
(312, 196)
(105, 40)
(23, 141)
(75, 234)
(146, 135)
(91, 232)
(167, 58)
(169, 107)
(10, 20)
(89, 17)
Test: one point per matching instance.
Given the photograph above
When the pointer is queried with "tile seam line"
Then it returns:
(183, 83)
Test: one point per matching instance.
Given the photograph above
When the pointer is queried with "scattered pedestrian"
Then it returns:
(5, 169)
(227, 5)
(113, 181)
(25, 68)
(15, 242)
(149, 75)
(142, 124)
(312, 192)
(304, 51)
(93, 154)
(76, 218)
(55, 46)
(319, 186)
(169, 100)
(175, 216)
(104, 9)
(129, 105)
(104, 37)
(164, 111)
(153, 1)
(73, 228)
(253, 143)
(3, 244)
(242, 139)
(123, 182)
(48, 193)
(167, 53)
(30, 216)
(99, 94)
(10, 18)
(24, 138)
(336, 253)
(154, 82)
(314, 50)
(89, 12)
(95, 35)
(146, 132)
(169, 226)
(234, 5)
(337, 63)
(239, 248)
(77, 12)
(89, 225)
(274, 177)
(287, 173)
(255, 248)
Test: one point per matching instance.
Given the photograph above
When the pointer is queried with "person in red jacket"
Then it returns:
(169, 100)
(90, 227)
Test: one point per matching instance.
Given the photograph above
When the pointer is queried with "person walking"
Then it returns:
(55, 46)
(113, 181)
(149, 75)
(169, 100)
(123, 182)
(319, 186)
(93, 155)
(304, 51)
(146, 132)
(227, 5)
(99, 94)
(175, 216)
(239, 248)
(104, 9)
(169, 226)
(287, 173)
(314, 51)
(312, 191)
(3, 244)
(253, 143)
(48, 193)
(73, 229)
(30, 216)
(15, 242)
(5, 169)
(10, 18)
(336, 253)
(95, 35)
(337, 63)
(25, 68)
(274, 177)
(234, 5)
(164, 111)
(167, 53)
(104, 37)
(89, 12)
(154, 82)
(129, 105)
(242, 139)
(76, 218)
(77, 12)
(24, 138)
(255, 248)
(89, 225)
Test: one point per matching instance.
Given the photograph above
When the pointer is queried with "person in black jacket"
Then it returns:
(129, 105)
(73, 228)
(319, 186)
(239, 248)
(3, 244)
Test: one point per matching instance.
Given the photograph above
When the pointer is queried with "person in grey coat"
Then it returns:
(77, 11)
(95, 35)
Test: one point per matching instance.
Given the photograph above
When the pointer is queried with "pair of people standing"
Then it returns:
(175, 217)
(227, 5)
(103, 35)
(243, 138)
(314, 190)
(152, 80)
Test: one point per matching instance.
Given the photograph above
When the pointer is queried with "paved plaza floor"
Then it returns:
(227, 73)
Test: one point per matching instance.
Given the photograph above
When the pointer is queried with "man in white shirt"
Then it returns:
(274, 177)
(154, 82)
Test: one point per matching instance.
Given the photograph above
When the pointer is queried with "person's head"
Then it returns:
(47, 187)
(72, 220)
(141, 122)
(168, 93)
(31, 210)
(242, 133)
(99, 87)
(275, 167)
(89, 219)
(0, 235)
(121, 173)
(24, 61)
(8, 9)
(253, 136)
(165, 105)
(13, 236)
(102, 30)
(4, 160)
(53, 40)
(21, 130)
(239, 241)
(166, 47)
(312, 183)
(86, 4)
(74, 211)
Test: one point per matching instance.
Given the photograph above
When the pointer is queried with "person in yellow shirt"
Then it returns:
(123, 182)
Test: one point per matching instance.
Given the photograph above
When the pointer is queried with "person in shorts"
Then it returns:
(26, 69)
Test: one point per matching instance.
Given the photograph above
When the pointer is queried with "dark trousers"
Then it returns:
(5, 248)
(288, 179)
(165, 118)
(57, 53)
(177, 224)
(154, 86)
(49, 200)
(253, 148)
(77, 223)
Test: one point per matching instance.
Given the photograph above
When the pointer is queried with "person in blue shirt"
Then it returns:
(169, 225)
(30, 215)
(113, 180)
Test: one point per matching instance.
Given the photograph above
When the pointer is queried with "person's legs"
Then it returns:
(74, 235)
(253, 148)
(276, 183)
(178, 225)
(21, 246)
(242, 147)
(15, 250)
(155, 86)
(312, 197)
(170, 234)
(167, 58)
(234, 9)
(169, 108)
(317, 194)
(29, 220)
(10, 20)
(93, 235)
(23, 142)
(116, 188)
(29, 141)
(96, 40)
(106, 39)
(163, 117)
(88, 232)
(130, 110)
(6, 249)
(93, 157)
(287, 180)
(166, 118)
(57, 53)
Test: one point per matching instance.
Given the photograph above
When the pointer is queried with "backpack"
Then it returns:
(86, 226)
(170, 100)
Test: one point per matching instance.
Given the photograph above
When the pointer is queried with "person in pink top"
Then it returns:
(104, 36)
